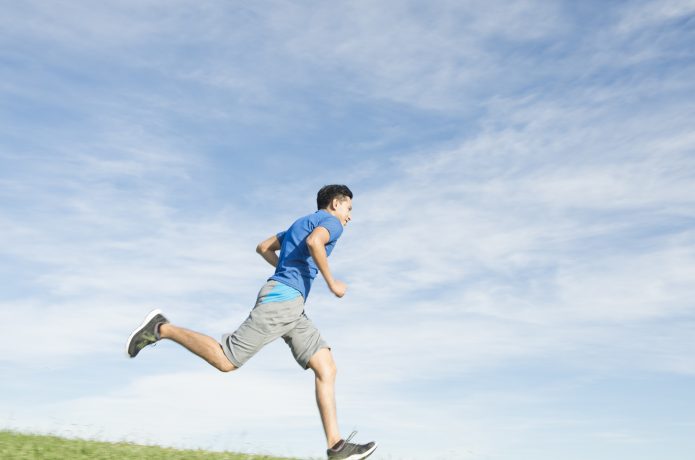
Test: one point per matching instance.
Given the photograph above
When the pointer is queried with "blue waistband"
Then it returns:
(280, 293)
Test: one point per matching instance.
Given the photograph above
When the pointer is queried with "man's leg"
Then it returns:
(199, 344)
(338, 449)
(260, 328)
(325, 370)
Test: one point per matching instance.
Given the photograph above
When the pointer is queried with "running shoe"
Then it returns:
(346, 450)
(146, 333)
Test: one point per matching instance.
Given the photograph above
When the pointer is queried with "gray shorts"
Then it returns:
(267, 322)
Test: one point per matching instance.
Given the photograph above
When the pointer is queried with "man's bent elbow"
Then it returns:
(312, 244)
(313, 241)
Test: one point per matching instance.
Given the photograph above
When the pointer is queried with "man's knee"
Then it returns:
(222, 363)
(323, 365)
(226, 366)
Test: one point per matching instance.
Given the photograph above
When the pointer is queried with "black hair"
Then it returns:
(329, 192)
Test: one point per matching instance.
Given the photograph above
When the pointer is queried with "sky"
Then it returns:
(520, 262)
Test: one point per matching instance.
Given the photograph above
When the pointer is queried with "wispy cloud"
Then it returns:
(637, 18)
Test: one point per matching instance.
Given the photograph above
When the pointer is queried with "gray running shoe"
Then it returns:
(146, 333)
(349, 451)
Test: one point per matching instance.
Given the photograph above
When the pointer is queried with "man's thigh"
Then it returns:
(304, 340)
(266, 322)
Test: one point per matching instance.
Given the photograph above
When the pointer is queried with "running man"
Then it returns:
(279, 312)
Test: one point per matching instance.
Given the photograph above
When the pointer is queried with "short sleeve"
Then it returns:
(333, 225)
(281, 236)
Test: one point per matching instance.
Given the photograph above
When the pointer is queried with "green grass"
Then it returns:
(17, 446)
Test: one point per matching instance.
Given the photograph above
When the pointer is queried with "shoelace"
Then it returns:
(352, 435)
(344, 444)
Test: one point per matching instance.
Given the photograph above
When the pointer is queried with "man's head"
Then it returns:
(337, 200)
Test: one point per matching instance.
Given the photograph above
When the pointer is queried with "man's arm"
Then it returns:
(316, 242)
(267, 248)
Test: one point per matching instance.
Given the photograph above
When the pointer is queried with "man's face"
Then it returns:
(343, 210)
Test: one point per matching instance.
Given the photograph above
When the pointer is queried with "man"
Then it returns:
(279, 312)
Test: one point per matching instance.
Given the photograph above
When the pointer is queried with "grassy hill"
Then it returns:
(17, 446)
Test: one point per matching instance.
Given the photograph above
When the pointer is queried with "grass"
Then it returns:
(18, 446)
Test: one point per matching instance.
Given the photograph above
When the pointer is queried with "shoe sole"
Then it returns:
(147, 319)
(363, 455)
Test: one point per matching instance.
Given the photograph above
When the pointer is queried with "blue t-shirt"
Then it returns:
(296, 268)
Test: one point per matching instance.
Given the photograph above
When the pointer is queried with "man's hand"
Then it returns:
(338, 288)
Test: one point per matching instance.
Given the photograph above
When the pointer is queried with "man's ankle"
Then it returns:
(159, 330)
(335, 445)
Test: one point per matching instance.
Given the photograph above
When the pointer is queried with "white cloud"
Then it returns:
(646, 14)
(427, 56)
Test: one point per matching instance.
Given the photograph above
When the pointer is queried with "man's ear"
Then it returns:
(334, 203)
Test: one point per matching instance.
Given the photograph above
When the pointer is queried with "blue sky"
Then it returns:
(520, 263)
